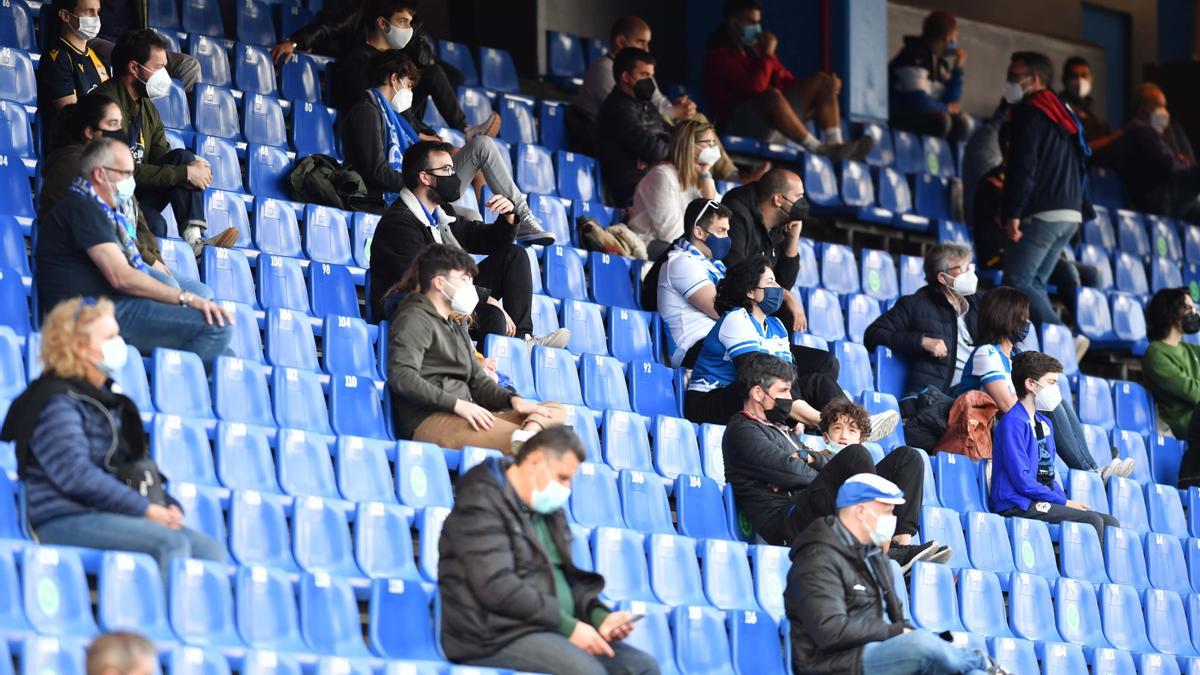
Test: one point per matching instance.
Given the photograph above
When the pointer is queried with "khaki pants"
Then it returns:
(451, 431)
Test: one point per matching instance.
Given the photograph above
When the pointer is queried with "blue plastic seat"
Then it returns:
(580, 419)
(216, 112)
(1133, 407)
(1095, 405)
(578, 177)
(12, 611)
(332, 291)
(383, 541)
(626, 445)
(1165, 510)
(240, 392)
(400, 618)
(363, 473)
(255, 25)
(604, 386)
(268, 170)
(475, 104)
(556, 376)
(1077, 613)
(564, 55)
(253, 69)
(222, 210)
(944, 526)
(496, 70)
(1165, 456)
(1125, 559)
(17, 80)
(246, 341)
(958, 485)
(676, 450)
(891, 372)
(1165, 273)
(459, 56)
(1015, 656)
(429, 530)
(305, 466)
(1131, 234)
(43, 654)
(16, 27)
(882, 153)
(534, 168)
(895, 195)
(290, 341)
(271, 663)
(1129, 322)
(820, 181)
(701, 643)
(203, 17)
(329, 616)
(321, 538)
(545, 314)
(1033, 552)
(754, 641)
(653, 634)
(346, 347)
(213, 60)
(363, 233)
(1057, 341)
(839, 269)
(644, 502)
(244, 460)
(595, 501)
(1093, 255)
(227, 273)
(132, 377)
(312, 125)
(698, 507)
(276, 230)
(1080, 556)
(1131, 274)
(726, 570)
(932, 198)
(195, 661)
(652, 388)
(1165, 617)
(981, 604)
(770, 566)
(552, 125)
(825, 319)
(939, 160)
(355, 407)
(563, 270)
(610, 281)
(281, 284)
(1028, 600)
(1121, 612)
(16, 136)
(131, 597)
(855, 375)
(553, 214)
(858, 194)
(674, 570)
(201, 508)
(932, 597)
(619, 557)
(262, 120)
(267, 617)
(298, 400)
(861, 312)
(201, 604)
(629, 335)
(514, 360)
(221, 154)
(987, 543)
(258, 531)
(422, 478)
(1093, 316)
(327, 234)
(180, 385)
(1128, 504)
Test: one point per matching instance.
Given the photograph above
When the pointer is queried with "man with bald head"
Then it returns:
(121, 654)
(1155, 160)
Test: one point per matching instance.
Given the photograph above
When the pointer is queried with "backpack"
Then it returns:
(925, 414)
(969, 429)
(320, 179)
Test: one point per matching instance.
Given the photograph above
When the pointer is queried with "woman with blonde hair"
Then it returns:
(82, 451)
(668, 187)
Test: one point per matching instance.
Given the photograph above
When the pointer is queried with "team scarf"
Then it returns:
(124, 229)
(715, 268)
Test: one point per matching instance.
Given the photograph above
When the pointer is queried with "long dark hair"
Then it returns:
(86, 112)
(1164, 311)
(1002, 314)
(739, 280)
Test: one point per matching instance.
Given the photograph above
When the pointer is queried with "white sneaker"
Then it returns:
(882, 425)
(1126, 468)
(1081, 347)
(557, 339)
(530, 232)
(518, 439)
(1111, 470)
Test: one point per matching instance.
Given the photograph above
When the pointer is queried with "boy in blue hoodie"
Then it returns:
(1023, 481)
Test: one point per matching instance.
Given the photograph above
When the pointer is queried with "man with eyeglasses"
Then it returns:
(422, 215)
(86, 247)
(69, 67)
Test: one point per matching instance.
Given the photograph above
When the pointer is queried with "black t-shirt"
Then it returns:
(63, 71)
(64, 268)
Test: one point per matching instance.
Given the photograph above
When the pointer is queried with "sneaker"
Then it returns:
(518, 439)
(856, 149)
(1110, 470)
(557, 339)
(530, 232)
(991, 667)
(488, 127)
(1126, 468)
(1081, 347)
(883, 424)
(226, 239)
(942, 554)
(907, 554)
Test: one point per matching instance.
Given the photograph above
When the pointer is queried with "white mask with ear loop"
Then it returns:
(402, 100)
(884, 530)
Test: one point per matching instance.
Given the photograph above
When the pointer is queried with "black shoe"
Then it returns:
(907, 554)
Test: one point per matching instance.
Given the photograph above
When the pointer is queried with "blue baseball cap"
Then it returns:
(868, 487)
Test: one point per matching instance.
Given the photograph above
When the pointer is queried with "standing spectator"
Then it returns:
(86, 247)
(122, 653)
(122, 17)
(1045, 195)
(1023, 483)
(630, 134)
(164, 175)
(669, 186)
(925, 87)
(1077, 92)
(841, 601)
(1171, 371)
(82, 452)
(687, 277)
(753, 94)
(933, 329)
(69, 68)
(511, 595)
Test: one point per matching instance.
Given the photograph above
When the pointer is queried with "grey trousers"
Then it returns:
(482, 154)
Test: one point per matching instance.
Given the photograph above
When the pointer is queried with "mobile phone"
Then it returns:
(636, 618)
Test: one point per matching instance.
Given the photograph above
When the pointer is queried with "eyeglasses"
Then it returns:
(966, 267)
(440, 171)
(119, 172)
(711, 142)
(710, 204)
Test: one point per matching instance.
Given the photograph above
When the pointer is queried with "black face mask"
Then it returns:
(1021, 334)
(1191, 323)
(644, 89)
(798, 209)
(115, 134)
(448, 188)
(780, 414)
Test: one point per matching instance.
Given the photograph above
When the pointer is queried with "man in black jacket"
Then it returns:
(422, 215)
(511, 595)
(933, 328)
(1046, 196)
(631, 135)
(841, 601)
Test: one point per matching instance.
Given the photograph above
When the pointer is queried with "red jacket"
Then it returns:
(734, 73)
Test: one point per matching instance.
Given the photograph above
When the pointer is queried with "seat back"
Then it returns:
(266, 610)
(180, 384)
(1028, 599)
(496, 70)
(401, 621)
(932, 597)
(131, 597)
(258, 531)
(329, 616)
(298, 400)
(201, 604)
(327, 234)
(227, 273)
(981, 604)
(644, 502)
(727, 580)
(290, 341)
(321, 541)
(555, 375)
(422, 478)
(619, 557)
(674, 571)
(240, 392)
(305, 466)
(1124, 556)
(604, 386)
(383, 543)
(254, 70)
(355, 407)
(626, 445)
(244, 460)
(595, 501)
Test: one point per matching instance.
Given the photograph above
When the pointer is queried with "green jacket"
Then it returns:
(1172, 374)
(149, 172)
(431, 365)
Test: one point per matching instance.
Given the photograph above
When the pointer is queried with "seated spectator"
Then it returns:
(934, 328)
(122, 653)
(630, 134)
(1154, 159)
(685, 280)
(96, 116)
(753, 94)
(82, 452)
(376, 132)
(925, 88)
(69, 67)
(781, 485)
(1002, 325)
(165, 176)
(1077, 92)
(440, 391)
(1171, 372)
(86, 246)
(422, 215)
(841, 602)
(511, 595)
(127, 17)
(1023, 474)
(669, 186)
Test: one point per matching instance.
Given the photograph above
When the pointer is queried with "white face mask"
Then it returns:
(89, 27)
(1048, 398)
(113, 355)
(464, 299)
(397, 38)
(402, 100)
(159, 84)
(1013, 92)
(965, 284)
(1160, 119)
(1080, 87)
(710, 155)
(884, 530)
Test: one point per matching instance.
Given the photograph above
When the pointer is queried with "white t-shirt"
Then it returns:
(659, 203)
(962, 351)
(678, 280)
(988, 365)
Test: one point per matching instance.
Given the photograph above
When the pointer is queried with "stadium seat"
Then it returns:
(221, 154)
(517, 126)
(216, 112)
(253, 69)
(280, 283)
(1131, 234)
(701, 643)
(674, 571)
(1165, 510)
(754, 640)
(578, 177)
(203, 17)
(1165, 565)
(534, 171)
(400, 618)
(12, 612)
(258, 531)
(626, 445)
(1130, 274)
(363, 233)
(195, 661)
(820, 180)
(556, 376)
(422, 478)
(585, 320)
(839, 269)
(604, 386)
(891, 372)
(513, 358)
(988, 545)
(1093, 255)
(312, 125)
(267, 617)
(594, 498)
(298, 400)
(276, 229)
(272, 663)
(244, 460)
(331, 290)
(932, 198)
(981, 604)
(698, 507)
(459, 56)
(644, 502)
(711, 455)
(1133, 407)
(201, 604)
(383, 543)
(1028, 600)
(938, 159)
(290, 341)
(130, 596)
(1015, 656)
(564, 276)
(44, 655)
(882, 153)
(809, 275)
(675, 448)
(1165, 273)
(255, 25)
(1033, 552)
(858, 194)
(861, 311)
(726, 571)
(267, 172)
(1124, 557)
(16, 27)
(610, 282)
(17, 80)
(1165, 456)
(1127, 503)
(327, 234)
(201, 509)
(1129, 322)
(305, 466)
(932, 597)
(770, 565)
(1121, 612)
(1191, 243)
(855, 374)
(581, 550)
(957, 484)
(355, 407)
(1095, 402)
(564, 56)
(227, 273)
(1165, 617)
(363, 473)
(825, 319)
(347, 349)
(475, 104)
(895, 196)
(329, 616)
(321, 538)
(944, 526)
(222, 210)
(292, 18)
(652, 389)
(553, 215)
(1080, 556)
(213, 60)
(581, 420)
(240, 392)
(496, 70)
(180, 385)
(545, 313)
(552, 125)
(620, 558)
(16, 136)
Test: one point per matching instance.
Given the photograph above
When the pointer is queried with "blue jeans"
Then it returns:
(149, 324)
(920, 652)
(552, 653)
(116, 532)
(1069, 440)
(1030, 262)
(189, 285)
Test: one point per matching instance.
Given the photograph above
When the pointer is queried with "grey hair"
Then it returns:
(98, 154)
(937, 260)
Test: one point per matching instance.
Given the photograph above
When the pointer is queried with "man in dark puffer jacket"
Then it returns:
(511, 595)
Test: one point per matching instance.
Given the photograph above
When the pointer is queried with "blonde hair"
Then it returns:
(63, 330)
(683, 150)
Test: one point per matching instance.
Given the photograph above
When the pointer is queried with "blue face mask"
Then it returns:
(951, 46)
(772, 299)
(719, 246)
(750, 33)
(123, 190)
(833, 447)
(551, 498)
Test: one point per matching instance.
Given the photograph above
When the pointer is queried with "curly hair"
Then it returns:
(740, 279)
(64, 329)
(847, 411)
